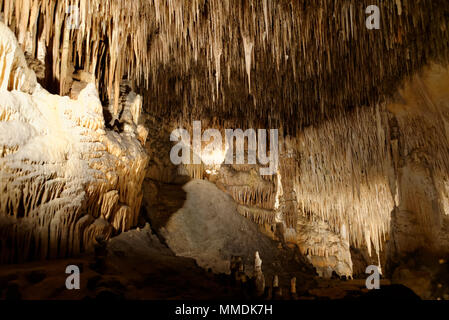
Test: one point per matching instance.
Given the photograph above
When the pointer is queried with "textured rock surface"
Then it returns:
(373, 178)
(420, 220)
(209, 229)
(378, 173)
(138, 267)
(64, 178)
(259, 61)
(326, 251)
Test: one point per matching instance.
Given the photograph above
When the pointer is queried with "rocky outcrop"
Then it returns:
(420, 119)
(209, 229)
(64, 177)
(327, 251)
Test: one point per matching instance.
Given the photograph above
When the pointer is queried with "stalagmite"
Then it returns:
(275, 281)
(293, 293)
(277, 290)
(259, 277)
(288, 201)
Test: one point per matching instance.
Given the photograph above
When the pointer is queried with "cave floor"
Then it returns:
(172, 279)
(140, 267)
(165, 278)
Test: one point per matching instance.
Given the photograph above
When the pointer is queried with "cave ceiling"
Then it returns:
(284, 63)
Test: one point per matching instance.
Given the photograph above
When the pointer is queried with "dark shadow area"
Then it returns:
(392, 292)
(168, 200)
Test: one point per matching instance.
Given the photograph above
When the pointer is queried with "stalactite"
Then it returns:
(259, 216)
(343, 176)
(258, 197)
(264, 46)
(288, 202)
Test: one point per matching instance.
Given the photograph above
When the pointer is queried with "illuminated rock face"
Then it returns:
(15, 73)
(209, 229)
(420, 220)
(327, 251)
(373, 178)
(64, 178)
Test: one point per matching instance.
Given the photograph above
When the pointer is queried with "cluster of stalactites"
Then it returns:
(344, 177)
(257, 215)
(235, 58)
(260, 197)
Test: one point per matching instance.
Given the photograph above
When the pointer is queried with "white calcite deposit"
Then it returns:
(64, 178)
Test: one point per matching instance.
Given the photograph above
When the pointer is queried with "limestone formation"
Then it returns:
(64, 177)
(259, 277)
(254, 48)
(91, 91)
(277, 290)
(293, 293)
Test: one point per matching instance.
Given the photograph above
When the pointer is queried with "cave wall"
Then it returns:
(64, 177)
(420, 114)
(373, 179)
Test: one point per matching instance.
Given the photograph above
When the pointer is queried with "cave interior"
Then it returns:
(117, 128)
